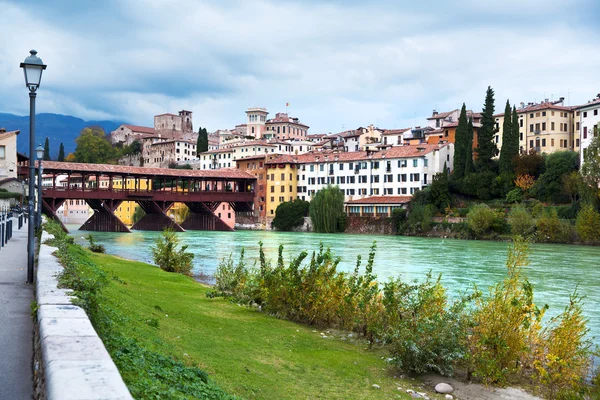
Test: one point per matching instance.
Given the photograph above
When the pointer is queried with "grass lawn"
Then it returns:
(247, 353)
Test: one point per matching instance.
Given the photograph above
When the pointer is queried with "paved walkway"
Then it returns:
(16, 326)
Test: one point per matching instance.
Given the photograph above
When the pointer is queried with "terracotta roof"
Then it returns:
(162, 115)
(538, 107)
(391, 153)
(442, 114)
(140, 129)
(382, 200)
(594, 102)
(454, 124)
(316, 135)
(282, 159)
(394, 131)
(6, 135)
(55, 166)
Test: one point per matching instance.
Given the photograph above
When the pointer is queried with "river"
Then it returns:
(554, 270)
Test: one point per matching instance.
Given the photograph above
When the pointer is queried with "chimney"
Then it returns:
(546, 100)
(434, 113)
(522, 105)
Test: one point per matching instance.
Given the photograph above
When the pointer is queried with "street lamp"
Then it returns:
(32, 68)
(39, 154)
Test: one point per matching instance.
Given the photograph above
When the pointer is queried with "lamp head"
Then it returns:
(32, 68)
(39, 152)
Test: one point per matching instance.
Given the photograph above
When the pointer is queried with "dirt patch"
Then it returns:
(475, 391)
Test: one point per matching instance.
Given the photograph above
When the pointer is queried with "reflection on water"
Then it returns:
(555, 270)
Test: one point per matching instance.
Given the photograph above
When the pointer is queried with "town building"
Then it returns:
(255, 165)
(282, 181)
(8, 154)
(393, 137)
(587, 119)
(376, 206)
(544, 127)
(159, 153)
(398, 170)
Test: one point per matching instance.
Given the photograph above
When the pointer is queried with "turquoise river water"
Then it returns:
(554, 270)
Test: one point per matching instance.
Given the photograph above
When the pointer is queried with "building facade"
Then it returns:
(8, 154)
(282, 181)
(587, 118)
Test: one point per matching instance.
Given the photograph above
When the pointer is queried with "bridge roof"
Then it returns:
(124, 170)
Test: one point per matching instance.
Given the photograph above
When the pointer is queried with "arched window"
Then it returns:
(278, 129)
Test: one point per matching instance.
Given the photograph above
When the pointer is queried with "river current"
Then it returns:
(554, 270)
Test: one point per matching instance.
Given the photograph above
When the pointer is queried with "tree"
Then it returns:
(47, 150)
(440, 194)
(531, 163)
(169, 257)
(290, 214)
(516, 137)
(460, 144)
(486, 148)
(469, 148)
(94, 147)
(70, 157)
(506, 155)
(588, 224)
(202, 144)
(326, 209)
(61, 153)
(549, 185)
(591, 161)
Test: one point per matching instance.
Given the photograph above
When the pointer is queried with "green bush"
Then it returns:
(481, 218)
(169, 257)
(568, 212)
(290, 214)
(520, 221)
(514, 196)
(551, 229)
(399, 220)
(94, 247)
(5, 195)
(588, 224)
(420, 218)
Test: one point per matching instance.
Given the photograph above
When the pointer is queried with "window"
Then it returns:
(552, 126)
(341, 166)
(543, 126)
(283, 177)
(425, 162)
(2, 152)
(312, 168)
(552, 142)
(521, 123)
(543, 113)
(531, 144)
(272, 189)
(416, 162)
(585, 132)
(543, 142)
(530, 127)
(520, 135)
(401, 163)
(321, 167)
(585, 114)
(531, 115)
(282, 190)
(595, 112)
(577, 126)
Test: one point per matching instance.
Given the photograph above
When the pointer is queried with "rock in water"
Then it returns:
(449, 397)
(443, 388)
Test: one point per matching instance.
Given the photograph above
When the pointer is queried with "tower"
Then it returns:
(255, 121)
(186, 121)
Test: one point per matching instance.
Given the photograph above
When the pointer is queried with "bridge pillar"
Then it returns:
(203, 218)
(104, 219)
(49, 207)
(156, 218)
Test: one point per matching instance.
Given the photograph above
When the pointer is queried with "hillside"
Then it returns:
(59, 128)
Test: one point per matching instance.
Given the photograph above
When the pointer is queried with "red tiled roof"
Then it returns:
(392, 152)
(454, 124)
(140, 129)
(5, 135)
(538, 107)
(282, 159)
(596, 101)
(382, 200)
(65, 167)
(442, 114)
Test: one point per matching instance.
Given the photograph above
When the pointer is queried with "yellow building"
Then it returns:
(546, 127)
(282, 182)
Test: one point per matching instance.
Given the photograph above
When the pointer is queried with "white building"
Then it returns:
(587, 124)
(398, 170)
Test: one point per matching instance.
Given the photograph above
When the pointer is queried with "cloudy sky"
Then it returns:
(340, 64)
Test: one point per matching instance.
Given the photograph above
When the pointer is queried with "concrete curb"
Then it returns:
(75, 363)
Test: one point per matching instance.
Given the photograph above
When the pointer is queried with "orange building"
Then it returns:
(447, 133)
(255, 165)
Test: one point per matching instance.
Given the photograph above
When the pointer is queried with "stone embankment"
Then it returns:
(71, 360)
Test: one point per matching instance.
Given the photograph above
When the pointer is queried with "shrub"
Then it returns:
(549, 186)
(551, 229)
(420, 218)
(481, 218)
(520, 221)
(96, 248)
(399, 220)
(588, 224)
(568, 211)
(514, 196)
(169, 257)
(290, 214)
(425, 332)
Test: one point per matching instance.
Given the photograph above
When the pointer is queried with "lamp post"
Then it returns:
(39, 153)
(32, 68)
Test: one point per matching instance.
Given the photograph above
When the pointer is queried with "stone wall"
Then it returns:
(370, 225)
(73, 362)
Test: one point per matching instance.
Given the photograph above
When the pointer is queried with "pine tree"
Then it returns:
(47, 150)
(61, 153)
(469, 148)
(506, 155)
(486, 148)
(202, 143)
(460, 144)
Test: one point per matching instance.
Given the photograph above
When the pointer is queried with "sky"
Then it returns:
(339, 64)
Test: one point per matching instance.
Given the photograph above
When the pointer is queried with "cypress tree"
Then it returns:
(61, 153)
(506, 155)
(47, 150)
(460, 143)
(516, 138)
(469, 148)
(202, 143)
(486, 148)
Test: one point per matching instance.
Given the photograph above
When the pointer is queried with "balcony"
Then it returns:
(537, 131)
